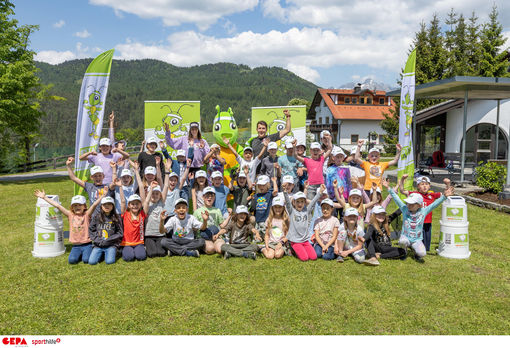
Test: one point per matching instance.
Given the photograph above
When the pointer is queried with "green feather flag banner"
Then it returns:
(405, 132)
(91, 107)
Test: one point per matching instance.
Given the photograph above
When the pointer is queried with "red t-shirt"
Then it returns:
(428, 199)
(133, 229)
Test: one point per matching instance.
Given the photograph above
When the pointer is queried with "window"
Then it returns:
(320, 120)
(381, 101)
(347, 100)
(355, 100)
(381, 139)
(369, 100)
(361, 100)
(354, 138)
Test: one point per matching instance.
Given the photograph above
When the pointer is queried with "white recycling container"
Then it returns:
(454, 232)
(48, 229)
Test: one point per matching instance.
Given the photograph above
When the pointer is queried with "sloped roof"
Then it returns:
(350, 111)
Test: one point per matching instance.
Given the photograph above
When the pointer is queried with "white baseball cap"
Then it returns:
(95, 170)
(298, 195)
(134, 197)
(157, 188)
(181, 152)
(378, 210)
(209, 189)
(301, 143)
(315, 145)
(354, 192)
(241, 174)
(324, 132)
(374, 149)
(376, 190)
(337, 151)
(105, 141)
(107, 199)
(287, 179)
(351, 211)
(78, 199)
(289, 145)
(328, 202)
(181, 200)
(414, 198)
(248, 148)
(216, 174)
(200, 174)
(241, 209)
(150, 170)
(152, 140)
(126, 172)
(353, 150)
(422, 178)
(262, 180)
(278, 200)
(272, 146)
(172, 174)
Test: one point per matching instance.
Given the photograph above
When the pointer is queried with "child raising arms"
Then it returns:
(79, 220)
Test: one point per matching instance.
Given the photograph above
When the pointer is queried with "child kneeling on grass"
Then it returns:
(326, 231)
(79, 220)
(240, 232)
(350, 237)
(105, 232)
(183, 227)
(413, 217)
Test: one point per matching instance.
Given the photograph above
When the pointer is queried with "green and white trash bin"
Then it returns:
(454, 235)
(48, 229)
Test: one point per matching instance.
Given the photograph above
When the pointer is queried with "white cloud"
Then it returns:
(54, 57)
(175, 12)
(355, 77)
(300, 50)
(229, 27)
(82, 34)
(59, 24)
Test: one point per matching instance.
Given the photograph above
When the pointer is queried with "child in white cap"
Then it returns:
(350, 238)
(175, 185)
(239, 232)
(248, 161)
(269, 165)
(215, 162)
(277, 223)
(178, 166)
(242, 188)
(127, 183)
(261, 201)
(326, 231)
(148, 157)
(133, 218)
(79, 220)
(153, 205)
(221, 193)
(105, 232)
(104, 157)
(355, 201)
(413, 217)
(197, 191)
(289, 165)
(373, 168)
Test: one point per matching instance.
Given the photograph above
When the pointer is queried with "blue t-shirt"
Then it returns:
(262, 202)
(289, 165)
(221, 198)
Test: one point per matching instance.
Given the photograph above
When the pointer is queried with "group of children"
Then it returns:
(309, 207)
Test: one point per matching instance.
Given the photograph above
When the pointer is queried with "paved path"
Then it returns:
(33, 176)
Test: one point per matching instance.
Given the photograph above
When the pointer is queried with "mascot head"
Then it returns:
(224, 126)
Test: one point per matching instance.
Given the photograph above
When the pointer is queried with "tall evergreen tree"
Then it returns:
(473, 49)
(494, 57)
(460, 57)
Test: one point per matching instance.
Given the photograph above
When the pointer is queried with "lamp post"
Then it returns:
(35, 145)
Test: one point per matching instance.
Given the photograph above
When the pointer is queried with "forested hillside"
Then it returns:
(132, 82)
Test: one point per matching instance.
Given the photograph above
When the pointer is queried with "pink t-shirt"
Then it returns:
(276, 232)
(78, 229)
(314, 168)
(104, 162)
(326, 227)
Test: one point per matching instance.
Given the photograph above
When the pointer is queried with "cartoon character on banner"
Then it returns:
(91, 104)
(225, 127)
(174, 122)
(278, 124)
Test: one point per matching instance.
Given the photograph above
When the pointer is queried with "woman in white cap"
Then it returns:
(104, 157)
(194, 141)
(79, 220)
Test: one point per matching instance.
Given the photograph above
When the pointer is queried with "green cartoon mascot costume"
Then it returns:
(224, 126)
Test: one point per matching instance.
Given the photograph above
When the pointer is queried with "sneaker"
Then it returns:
(250, 255)
(226, 255)
(340, 259)
(371, 262)
(192, 253)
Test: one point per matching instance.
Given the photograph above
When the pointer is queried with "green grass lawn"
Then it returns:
(209, 295)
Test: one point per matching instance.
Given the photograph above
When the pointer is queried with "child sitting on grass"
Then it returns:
(182, 228)
(326, 231)
(105, 232)
(153, 205)
(413, 217)
(240, 236)
(242, 190)
(277, 227)
(133, 218)
(79, 220)
(261, 202)
(350, 237)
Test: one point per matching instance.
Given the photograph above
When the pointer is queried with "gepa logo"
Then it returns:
(14, 341)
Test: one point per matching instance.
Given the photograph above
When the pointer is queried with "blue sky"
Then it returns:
(328, 42)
